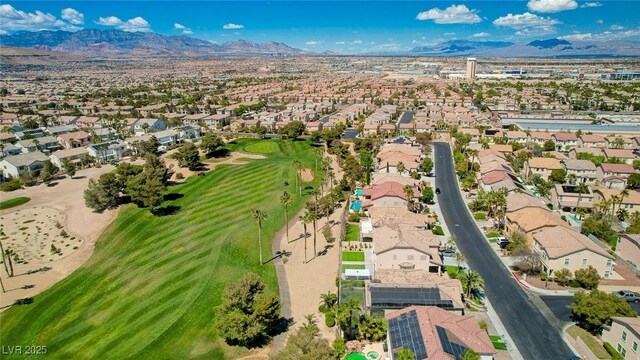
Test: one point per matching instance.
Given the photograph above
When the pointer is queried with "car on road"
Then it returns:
(448, 253)
(628, 295)
(437, 190)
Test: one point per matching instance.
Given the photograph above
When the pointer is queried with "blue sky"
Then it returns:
(342, 26)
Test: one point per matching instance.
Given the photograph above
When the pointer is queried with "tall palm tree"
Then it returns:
(470, 281)
(313, 217)
(473, 154)
(400, 167)
(328, 300)
(305, 220)
(623, 194)
(571, 178)
(408, 192)
(459, 259)
(614, 200)
(286, 201)
(298, 166)
(2, 253)
(259, 215)
(581, 188)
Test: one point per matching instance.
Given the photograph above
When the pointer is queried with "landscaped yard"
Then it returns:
(452, 271)
(7, 204)
(352, 232)
(352, 267)
(353, 256)
(480, 216)
(151, 287)
(593, 344)
(437, 230)
(493, 234)
(497, 342)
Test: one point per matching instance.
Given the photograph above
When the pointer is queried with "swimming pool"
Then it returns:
(359, 192)
(574, 218)
(356, 205)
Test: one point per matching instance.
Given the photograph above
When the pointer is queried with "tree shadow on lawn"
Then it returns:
(279, 254)
(219, 153)
(172, 196)
(166, 210)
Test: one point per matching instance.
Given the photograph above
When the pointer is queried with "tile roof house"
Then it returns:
(532, 220)
(388, 194)
(16, 165)
(45, 144)
(74, 155)
(573, 153)
(584, 170)
(631, 202)
(517, 201)
(628, 248)
(561, 247)
(404, 246)
(623, 154)
(389, 160)
(592, 141)
(434, 333)
(614, 176)
(624, 335)
(74, 139)
(541, 166)
(565, 141)
(566, 198)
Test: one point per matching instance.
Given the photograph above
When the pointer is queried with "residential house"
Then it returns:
(614, 176)
(592, 141)
(624, 335)
(594, 151)
(167, 137)
(630, 203)
(190, 133)
(532, 220)
(628, 248)
(144, 126)
(16, 165)
(74, 139)
(566, 198)
(583, 170)
(539, 138)
(540, 166)
(399, 288)
(45, 144)
(88, 122)
(7, 138)
(108, 151)
(560, 247)
(388, 194)
(626, 155)
(433, 333)
(73, 154)
(405, 246)
(565, 141)
(519, 137)
(9, 149)
(314, 126)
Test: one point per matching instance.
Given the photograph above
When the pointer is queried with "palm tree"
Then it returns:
(408, 192)
(313, 217)
(571, 178)
(459, 259)
(470, 281)
(623, 194)
(328, 300)
(260, 215)
(305, 220)
(286, 201)
(622, 214)
(614, 200)
(310, 321)
(2, 253)
(473, 154)
(298, 166)
(400, 167)
(451, 242)
(581, 188)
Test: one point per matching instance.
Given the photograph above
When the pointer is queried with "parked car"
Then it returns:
(628, 295)
(437, 190)
(502, 242)
(448, 253)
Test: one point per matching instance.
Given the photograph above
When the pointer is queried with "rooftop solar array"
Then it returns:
(404, 332)
(401, 297)
(449, 347)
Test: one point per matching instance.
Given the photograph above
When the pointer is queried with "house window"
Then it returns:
(619, 348)
(609, 262)
(624, 336)
(395, 257)
(623, 353)
(606, 274)
(634, 347)
(584, 262)
(409, 257)
(423, 257)
(566, 262)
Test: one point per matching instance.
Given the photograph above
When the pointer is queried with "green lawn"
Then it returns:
(353, 267)
(452, 271)
(497, 342)
(353, 256)
(263, 147)
(437, 230)
(352, 232)
(480, 216)
(7, 204)
(598, 350)
(493, 234)
(150, 289)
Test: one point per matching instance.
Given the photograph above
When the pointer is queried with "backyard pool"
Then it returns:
(373, 355)
(574, 218)
(355, 356)
(356, 205)
(359, 192)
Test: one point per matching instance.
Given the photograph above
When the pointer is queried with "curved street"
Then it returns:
(531, 332)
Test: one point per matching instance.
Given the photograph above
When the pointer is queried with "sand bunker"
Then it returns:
(306, 175)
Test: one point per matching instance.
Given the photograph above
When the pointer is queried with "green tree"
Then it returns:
(581, 188)
(549, 145)
(328, 301)
(558, 176)
(405, 354)
(427, 195)
(294, 129)
(210, 143)
(259, 216)
(587, 277)
(286, 201)
(104, 193)
(146, 190)
(633, 181)
(469, 354)
(595, 308)
(400, 167)
(372, 328)
(367, 163)
(187, 156)
(563, 276)
(471, 281)
(426, 165)
(306, 344)
(408, 192)
(69, 168)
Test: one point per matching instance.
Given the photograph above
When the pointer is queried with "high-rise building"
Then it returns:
(471, 69)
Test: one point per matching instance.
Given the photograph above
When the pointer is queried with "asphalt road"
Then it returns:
(534, 336)
(559, 306)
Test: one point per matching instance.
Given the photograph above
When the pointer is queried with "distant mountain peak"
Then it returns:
(549, 43)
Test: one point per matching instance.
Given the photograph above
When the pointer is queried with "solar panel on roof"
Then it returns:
(398, 297)
(404, 332)
(449, 347)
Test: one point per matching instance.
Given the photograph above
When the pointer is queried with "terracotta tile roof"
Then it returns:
(530, 219)
(519, 201)
(617, 168)
(501, 148)
(560, 241)
(544, 163)
(388, 189)
(539, 135)
(619, 153)
(585, 165)
(77, 135)
(494, 177)
(592, 138)
(562, 136)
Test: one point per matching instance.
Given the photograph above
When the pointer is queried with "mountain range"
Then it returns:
(536, 48)
(94, 42)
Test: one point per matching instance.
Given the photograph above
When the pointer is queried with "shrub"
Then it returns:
(179, 176)
(588, 278)
(615, 355)
(437, 230)
(13, 184)
(354, 217)
(329, 320)
(323, 309)
(574, 283)
(563, 276)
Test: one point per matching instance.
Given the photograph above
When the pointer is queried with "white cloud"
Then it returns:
(528, 24)
(599, 21)
(454, 14)
(577, 37)
(551, 6)
(616, 27)
(73, 16)
(591, 4)
(184, 29)
(232, 26)
(313, 42)
(449, 34)
(12, 19)
(2, 32)
(356, 42)
(340, 42)
(137, 24)
(480, 34)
